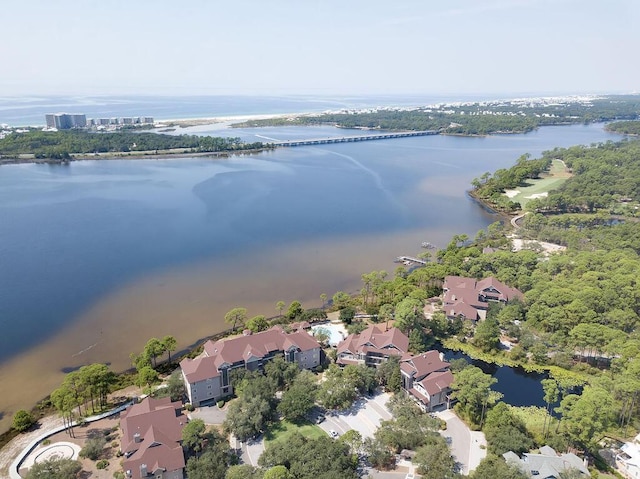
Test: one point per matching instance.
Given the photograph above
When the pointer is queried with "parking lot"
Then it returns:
(364, 416)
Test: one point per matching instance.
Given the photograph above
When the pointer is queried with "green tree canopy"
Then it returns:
(23, 420)
(55, 469)
(235, 317)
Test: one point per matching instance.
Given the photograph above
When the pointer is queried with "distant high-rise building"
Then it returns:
(78, 121)
(51, 120)
(66, 121)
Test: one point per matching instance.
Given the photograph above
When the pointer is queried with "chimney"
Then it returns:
(143, 470)
(137, 438)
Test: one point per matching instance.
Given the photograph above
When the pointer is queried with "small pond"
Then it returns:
(519, 387)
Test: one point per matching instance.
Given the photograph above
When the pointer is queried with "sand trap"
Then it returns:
(537, 195)
(518, 244)
(511, 193)
(58, 450)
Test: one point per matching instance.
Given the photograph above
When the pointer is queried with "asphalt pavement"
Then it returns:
(364, 416)
(465, 444)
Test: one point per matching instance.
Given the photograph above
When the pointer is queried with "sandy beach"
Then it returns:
(226, 120)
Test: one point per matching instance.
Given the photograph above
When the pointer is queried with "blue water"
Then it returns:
(518, 387)
(71, 234)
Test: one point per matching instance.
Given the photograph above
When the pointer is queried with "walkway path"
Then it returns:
(515, 219)
(19, 448)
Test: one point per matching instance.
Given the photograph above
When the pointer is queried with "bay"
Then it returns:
(99, 256)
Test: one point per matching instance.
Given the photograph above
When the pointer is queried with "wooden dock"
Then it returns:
(410, 259)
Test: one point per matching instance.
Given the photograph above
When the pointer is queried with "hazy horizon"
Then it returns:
(247, 47)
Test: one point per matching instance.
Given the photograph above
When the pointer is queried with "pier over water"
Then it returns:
(349, 139)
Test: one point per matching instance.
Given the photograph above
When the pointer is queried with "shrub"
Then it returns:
(93, 448)
(221, 403)
(102, 464)
(23, 420)
(46, 442)
(189, 406)
(118, 475)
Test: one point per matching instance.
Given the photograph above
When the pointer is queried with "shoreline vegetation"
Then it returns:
(69, 145)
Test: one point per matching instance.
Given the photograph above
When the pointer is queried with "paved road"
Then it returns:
(465, 444)
(250, 451)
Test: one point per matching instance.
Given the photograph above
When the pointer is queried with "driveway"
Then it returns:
(465, 444)
(211, 415)
(251, 450)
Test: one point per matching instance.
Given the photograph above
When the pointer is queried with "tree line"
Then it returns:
(62, 144)
(472, 119)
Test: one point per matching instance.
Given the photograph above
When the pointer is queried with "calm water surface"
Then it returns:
(98, 256)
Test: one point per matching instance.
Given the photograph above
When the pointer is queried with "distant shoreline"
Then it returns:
(123, 155)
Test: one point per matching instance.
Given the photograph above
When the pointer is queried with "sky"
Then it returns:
(195, 47)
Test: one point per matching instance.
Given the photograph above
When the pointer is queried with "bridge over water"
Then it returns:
(349, 139)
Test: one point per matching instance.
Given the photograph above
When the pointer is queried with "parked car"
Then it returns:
(320, 418)
(333, 434)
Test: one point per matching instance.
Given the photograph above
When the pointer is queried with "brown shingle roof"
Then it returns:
(157, 452)
(242, 348)
(437, 382)
(392, 342)
(199, 369)
(157, 424)
(424, 364)
(462, 295)
(261, 344)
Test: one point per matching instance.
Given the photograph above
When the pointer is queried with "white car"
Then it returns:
(409, 476)
(333, 434)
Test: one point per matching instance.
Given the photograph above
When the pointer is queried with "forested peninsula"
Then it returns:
(625, 127)
(67, 144)
(476, 118)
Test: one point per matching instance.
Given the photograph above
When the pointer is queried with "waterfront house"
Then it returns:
(373, 346)
(547, 464)
(152, 439)
(469, 298)
(426, 377)
(207, 378)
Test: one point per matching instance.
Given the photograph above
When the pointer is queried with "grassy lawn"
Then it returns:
(550, 181)
(281, 431)
(533, 418)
